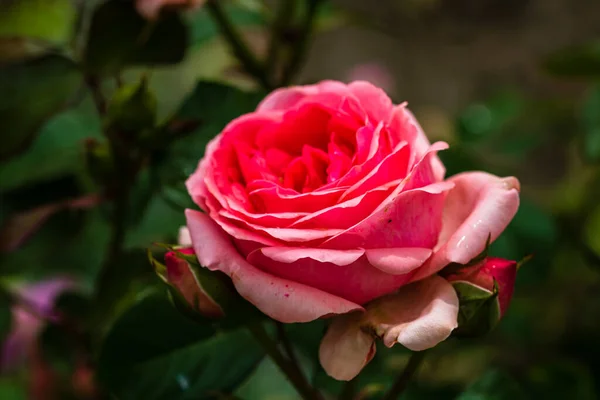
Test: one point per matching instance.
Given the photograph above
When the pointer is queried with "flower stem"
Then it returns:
(401, 383)
(290, 369)
(287, 345)
(252, 65)
(300, 47)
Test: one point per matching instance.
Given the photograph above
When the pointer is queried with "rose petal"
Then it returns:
(429, 320)
(184, 238)
(281, 299)
(276, 199)
(405, 126)
(344, 351)
(349, 276)
(286, 98)
(289, 255)
(406, 218)
(418, 316)
(375, 101)
(398, 261)
(480, 205)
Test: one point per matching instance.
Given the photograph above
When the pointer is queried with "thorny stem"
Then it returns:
(291, 370)
(401, 383)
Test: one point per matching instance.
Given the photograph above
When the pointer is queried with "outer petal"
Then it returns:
(286, 98)
(281, 299)
(348, 275)
(346, 348)
(480, 205)
(429, 319)
(418, 316)
(405, 126)
(375, 101)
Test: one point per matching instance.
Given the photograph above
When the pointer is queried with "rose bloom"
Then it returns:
(329, 199)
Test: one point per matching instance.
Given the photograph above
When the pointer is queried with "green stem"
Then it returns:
(291, 370)
(300, 47)
(401, 383)
(280, 24)
(287, 345)
(349, 390)
(239, 47)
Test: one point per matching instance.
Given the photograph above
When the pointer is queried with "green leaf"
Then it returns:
(32, 92)
(64, 134)
(11, 390)
(205, 105)
(120, 37)
(71, 242)
(560, 380)
(579, 61)
(50, 20)
(494, 385)
(152, 352)
(591, 126)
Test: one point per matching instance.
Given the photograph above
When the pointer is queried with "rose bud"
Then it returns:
(484, 291)
(328, 200)
(182, 277)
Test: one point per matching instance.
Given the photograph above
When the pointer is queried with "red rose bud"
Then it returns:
(484, 291)
(183, 278)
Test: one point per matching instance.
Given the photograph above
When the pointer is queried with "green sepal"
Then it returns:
(479, 309)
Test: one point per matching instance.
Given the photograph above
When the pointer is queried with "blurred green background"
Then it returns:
(513, 86)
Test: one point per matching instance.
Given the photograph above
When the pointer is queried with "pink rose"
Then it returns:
(328, 197)
(150, 9)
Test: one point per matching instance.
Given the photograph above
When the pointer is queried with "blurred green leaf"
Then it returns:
(31, 93)
(50, 20)
(11, 390)
(267, 383)
(480, 120)
(579, 61)
(153, 352)
(493, 385)
(160, 223)
(71, 242)
(591, 125)
(120, 37)
(534, 231)
(560, 380)
(205, 105)
(64, 134)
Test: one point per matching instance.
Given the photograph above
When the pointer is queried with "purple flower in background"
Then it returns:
(29, 318)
